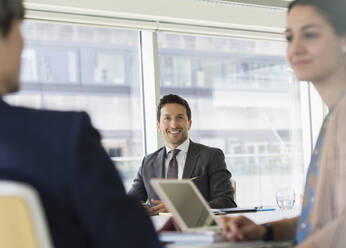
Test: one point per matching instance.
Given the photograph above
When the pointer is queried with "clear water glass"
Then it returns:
(285, 199)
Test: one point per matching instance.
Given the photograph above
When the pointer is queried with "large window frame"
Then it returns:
(312, 109)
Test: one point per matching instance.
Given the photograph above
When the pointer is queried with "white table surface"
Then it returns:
(259, 217)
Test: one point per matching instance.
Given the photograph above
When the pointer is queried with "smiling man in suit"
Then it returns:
(181, 158)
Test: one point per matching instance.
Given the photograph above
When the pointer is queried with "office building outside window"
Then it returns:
(74, 67)
(245, 101)
(243, 96)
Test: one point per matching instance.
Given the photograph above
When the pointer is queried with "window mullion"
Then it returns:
(150, 89)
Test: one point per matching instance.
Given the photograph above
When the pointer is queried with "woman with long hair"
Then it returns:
(316, 51)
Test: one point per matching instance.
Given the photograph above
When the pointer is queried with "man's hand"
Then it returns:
(241, 229)
(159, 208)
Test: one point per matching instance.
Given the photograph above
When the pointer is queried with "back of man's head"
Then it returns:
(11, 44)
(10, 10)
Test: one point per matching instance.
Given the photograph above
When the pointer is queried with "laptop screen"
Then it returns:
(188, 204)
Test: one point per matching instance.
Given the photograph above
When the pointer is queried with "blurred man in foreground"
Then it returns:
(60, 154)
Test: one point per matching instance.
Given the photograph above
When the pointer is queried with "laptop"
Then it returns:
(194, 217)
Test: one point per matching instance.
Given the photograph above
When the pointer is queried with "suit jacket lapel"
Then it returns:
(190, 162)
(159, 164)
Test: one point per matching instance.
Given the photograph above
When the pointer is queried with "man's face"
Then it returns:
(11, 48)
(174, 124)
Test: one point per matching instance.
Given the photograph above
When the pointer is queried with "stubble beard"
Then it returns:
(179, 141)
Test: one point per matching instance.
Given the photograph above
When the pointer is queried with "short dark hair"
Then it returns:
(171, 98)
(333, 10)
(10, 10)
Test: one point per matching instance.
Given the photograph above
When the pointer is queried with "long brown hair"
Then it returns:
(333, 10)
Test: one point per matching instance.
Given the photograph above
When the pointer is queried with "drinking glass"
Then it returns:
(285, 199)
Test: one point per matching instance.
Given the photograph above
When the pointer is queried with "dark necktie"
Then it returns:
(173, 165)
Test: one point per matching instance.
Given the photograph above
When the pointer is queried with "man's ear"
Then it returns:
(190, 123)
(158, 126)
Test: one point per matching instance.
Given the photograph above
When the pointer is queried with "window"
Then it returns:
(72, 67)
(245, 101)
(243, 97)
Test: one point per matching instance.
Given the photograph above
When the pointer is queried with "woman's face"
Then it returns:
(314, 49)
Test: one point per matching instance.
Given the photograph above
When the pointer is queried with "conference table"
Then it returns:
(259, 217)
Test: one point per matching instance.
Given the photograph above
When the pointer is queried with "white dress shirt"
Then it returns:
(181, 157)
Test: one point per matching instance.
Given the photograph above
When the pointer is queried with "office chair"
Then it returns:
(234, 185)
(22, 220)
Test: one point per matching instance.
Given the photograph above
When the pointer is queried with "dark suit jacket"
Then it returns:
(60, 154)
(205, 163)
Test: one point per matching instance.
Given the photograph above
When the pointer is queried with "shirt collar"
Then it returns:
(182, 147)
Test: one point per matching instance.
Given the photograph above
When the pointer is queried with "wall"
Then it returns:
(169, 12)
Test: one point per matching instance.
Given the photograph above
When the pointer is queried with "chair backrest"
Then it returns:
(234, 185)
(22, 220)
